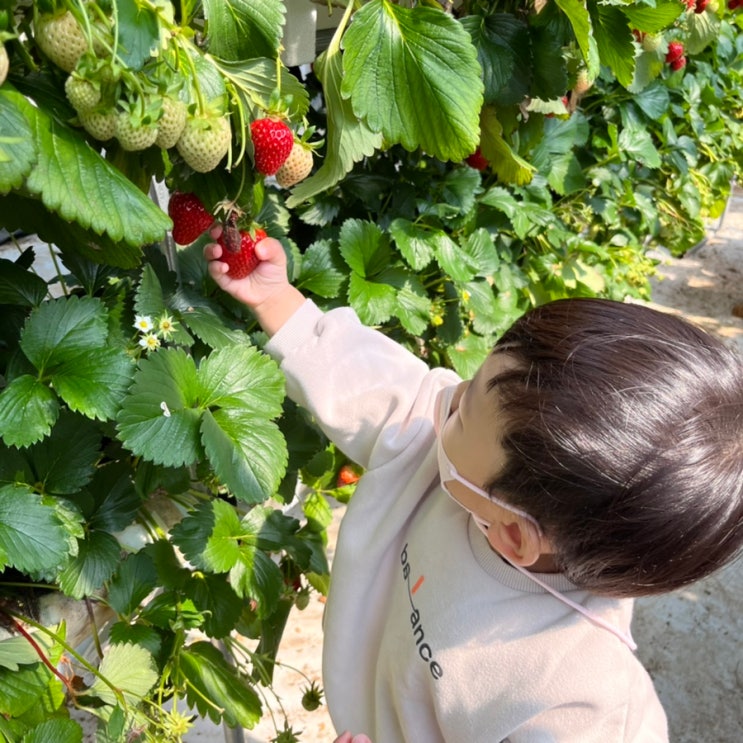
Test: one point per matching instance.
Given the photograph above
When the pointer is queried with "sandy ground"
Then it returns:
(690, 641)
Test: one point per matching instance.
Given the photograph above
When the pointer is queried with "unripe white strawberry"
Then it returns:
(583, 82)
(205, 141)
(101, 125)
(171, 123)
(296, 167)
(82, 94)
(4, 63)
(133, 133)
(652, 42)
(61, 39)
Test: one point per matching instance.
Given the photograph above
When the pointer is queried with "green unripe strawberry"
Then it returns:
(82, 94)
(61, 39)
(171, 123)
(133, 133)
(205, 141)
(101, 125)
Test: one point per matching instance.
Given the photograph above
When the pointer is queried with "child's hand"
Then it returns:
(348, 738)
(268, 278)
(266, 290)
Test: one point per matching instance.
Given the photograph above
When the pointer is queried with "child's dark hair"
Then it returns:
(624, 439)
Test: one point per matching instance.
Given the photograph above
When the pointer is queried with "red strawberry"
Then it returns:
(190, 218)
(477, 160)
(243, 261)
(272, 142)
(675, 51)
(678, 64)
(700, 6)
(347, 475)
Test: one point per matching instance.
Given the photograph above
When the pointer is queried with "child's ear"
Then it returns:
(519, 541)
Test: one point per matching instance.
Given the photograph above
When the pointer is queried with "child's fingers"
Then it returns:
(270, 249)
(212, 251)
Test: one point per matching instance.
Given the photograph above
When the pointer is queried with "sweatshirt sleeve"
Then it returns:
(369, 394)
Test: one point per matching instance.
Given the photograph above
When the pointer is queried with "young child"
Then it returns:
(484, 572)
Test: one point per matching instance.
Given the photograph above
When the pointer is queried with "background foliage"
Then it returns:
(149, 461)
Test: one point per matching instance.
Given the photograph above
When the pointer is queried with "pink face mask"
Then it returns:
(448, 472)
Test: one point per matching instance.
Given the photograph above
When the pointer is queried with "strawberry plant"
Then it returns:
(150, 465)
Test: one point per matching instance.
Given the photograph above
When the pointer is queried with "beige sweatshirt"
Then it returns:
(428, 634)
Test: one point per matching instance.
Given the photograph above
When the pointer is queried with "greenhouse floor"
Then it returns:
(690, 641)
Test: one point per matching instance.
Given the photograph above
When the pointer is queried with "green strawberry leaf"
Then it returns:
(210, 327)
(258, 577)
(215, 598)
(319, 272)
(160, 416)
(400, 62)
(15, 652)
(32, 538)
(175, 414)
(364, 247)
(504, 52)
(63, 326)
(210, 536)
(414, 241)
(33, 685)
(255, 82)
(656, 17)
(76, 183)
(373, 302)
(138, 32)
(482, 306)
(636, 143)
(131, 583)
(66, 460)
(703, 30)
(56, 730)
(413, 309)
(613, 35)
(17, 152)
(98, 556)
(242, 379)
(28, 410)
(64, 339)
(580, 19)
(468, 353)
(130, 669)
(510, 167)
(31, 216)
(216, 688)
(248, 454)
(452, 259)
(243, 29)
(114, 498)
(20, 287)
(348, 139)
(479, 244)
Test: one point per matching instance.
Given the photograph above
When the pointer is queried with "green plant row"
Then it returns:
(150, 464)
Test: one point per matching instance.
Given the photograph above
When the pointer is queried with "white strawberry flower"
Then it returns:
(149, 341)
(143, 323)
(165, 326)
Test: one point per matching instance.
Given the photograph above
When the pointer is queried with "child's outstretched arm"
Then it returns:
(266, 291)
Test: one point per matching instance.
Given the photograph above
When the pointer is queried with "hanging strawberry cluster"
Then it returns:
(159, 101)
(155, 105)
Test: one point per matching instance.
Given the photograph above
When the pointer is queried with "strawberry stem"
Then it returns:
(40, 652)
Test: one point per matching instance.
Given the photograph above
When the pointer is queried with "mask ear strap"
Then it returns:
(623, 636)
